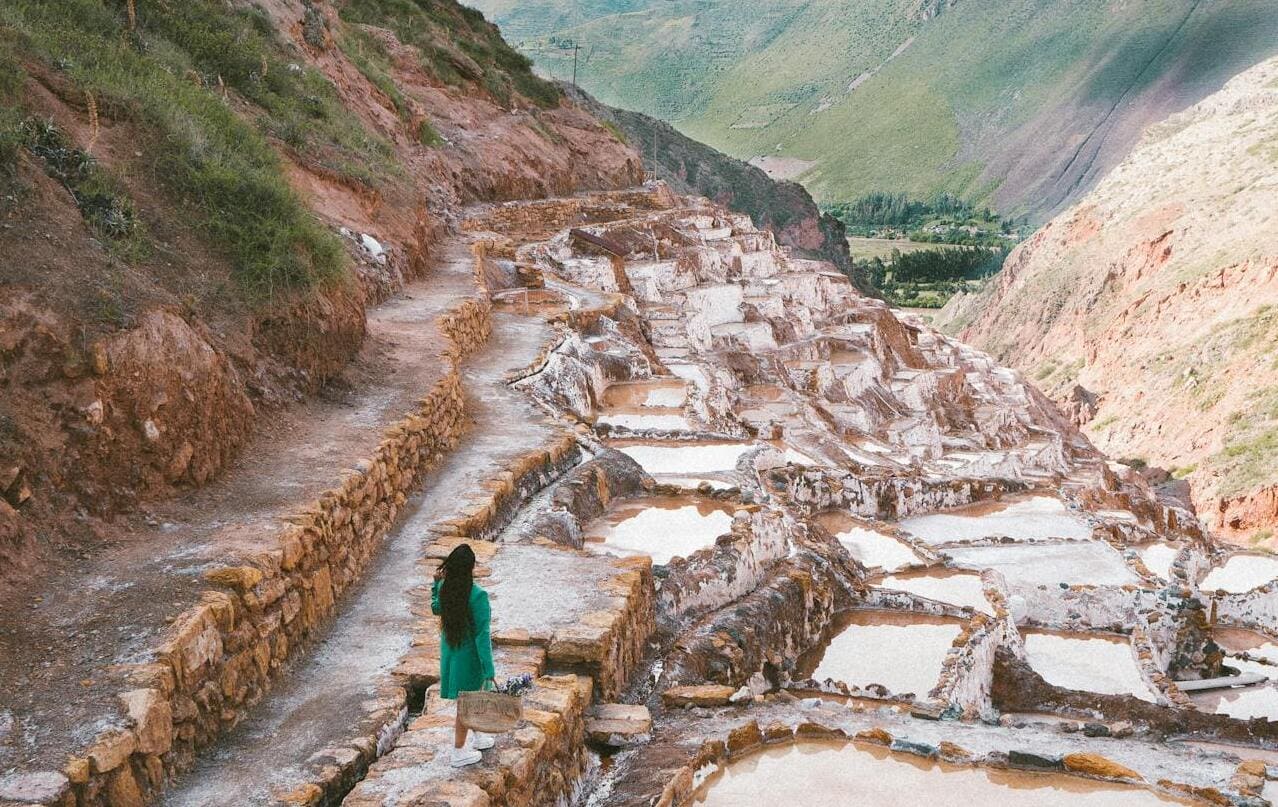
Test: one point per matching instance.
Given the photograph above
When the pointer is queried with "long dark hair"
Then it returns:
(454, 595)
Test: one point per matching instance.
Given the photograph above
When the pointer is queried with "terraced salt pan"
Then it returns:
(1036, 518)
(662, 527)
(1241, 573)
(1089, 562)
(1158, 558)
(1086, 662)
(868, 546)
(900, 651)
(831, 775)
(685, 459)
(956, 588)
(646, 405)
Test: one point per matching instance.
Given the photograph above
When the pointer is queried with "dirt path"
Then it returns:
(67, 628)
(320, 700)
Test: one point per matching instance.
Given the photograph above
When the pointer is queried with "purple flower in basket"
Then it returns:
(517, 685)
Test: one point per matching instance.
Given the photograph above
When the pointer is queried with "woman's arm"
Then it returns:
(483, 638)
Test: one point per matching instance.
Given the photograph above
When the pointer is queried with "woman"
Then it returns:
(466, 652)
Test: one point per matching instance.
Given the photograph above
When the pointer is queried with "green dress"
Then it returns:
(465, 668)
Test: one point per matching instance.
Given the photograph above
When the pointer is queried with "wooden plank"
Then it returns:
(1221, 683)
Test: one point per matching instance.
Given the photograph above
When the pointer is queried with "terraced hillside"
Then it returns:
(1017, 103)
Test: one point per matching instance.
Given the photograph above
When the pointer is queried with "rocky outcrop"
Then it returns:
(1147, 309)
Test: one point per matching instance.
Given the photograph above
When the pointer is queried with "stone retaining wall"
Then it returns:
(715, 576)
(221, 656)
(881, 497)
(963, 687)
(772, 625)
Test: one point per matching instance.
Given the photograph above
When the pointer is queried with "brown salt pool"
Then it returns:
(818, 774)
(662, 527)
(898, 650)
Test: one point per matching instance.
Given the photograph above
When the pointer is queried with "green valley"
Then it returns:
(1017, 104)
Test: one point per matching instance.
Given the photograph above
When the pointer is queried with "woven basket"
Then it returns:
(489, 712)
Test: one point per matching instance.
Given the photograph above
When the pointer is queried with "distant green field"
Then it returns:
(1019, 104)
(882, 248)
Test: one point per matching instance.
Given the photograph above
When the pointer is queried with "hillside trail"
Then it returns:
(321, 698)
(63, 633)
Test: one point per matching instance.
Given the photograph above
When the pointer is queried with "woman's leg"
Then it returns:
(459, 732)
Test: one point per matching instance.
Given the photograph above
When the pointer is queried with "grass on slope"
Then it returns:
(176, 71)
(457, 45)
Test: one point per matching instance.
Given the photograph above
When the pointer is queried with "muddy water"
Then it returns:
(684, 459)
(1036, 518)
(1088, 562)
(1087, 662)
(956, 588)
(869, 547)
(662, 527)
(1241, 573)
(830, 775)
(900, 651)
(1158, 558)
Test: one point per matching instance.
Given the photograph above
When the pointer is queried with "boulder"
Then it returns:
(1099, 766)
(698, 695)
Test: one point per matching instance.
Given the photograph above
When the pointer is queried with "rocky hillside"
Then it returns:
(1019, 104)
(693, 168)
(198, 203)
(1149, 308)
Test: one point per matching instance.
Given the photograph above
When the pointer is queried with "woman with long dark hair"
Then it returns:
(466, 652)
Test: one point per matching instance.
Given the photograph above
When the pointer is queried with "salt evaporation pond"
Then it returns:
(1243, 703)
(1158, 558)
(1086, 662)
(1036, 518)
(646, 405)
(898, 650)
(688, 459)
(833, 775)
(1049, 564)
(963, 589)
(868, 546)
(662, 527)
(1241, 573)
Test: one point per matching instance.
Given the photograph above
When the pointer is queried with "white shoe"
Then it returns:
(481, 741)
(465, 756)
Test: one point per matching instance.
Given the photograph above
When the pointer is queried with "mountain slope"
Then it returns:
(1016, 103)
(1151, 308)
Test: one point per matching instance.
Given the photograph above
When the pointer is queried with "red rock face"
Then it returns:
(1145, 310)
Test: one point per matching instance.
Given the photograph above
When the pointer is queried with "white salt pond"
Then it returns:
(684, 459)
(646, 421)
(1241, 573)
(819, 774)
(1086, 662)
(1085, 562)
(956, 588)
(1036, 518)
(662, 527)
(1243, 703)
(1158, 558)
(868, 546)
(900, 651)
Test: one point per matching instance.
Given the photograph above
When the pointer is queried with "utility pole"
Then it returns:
(575, 91)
